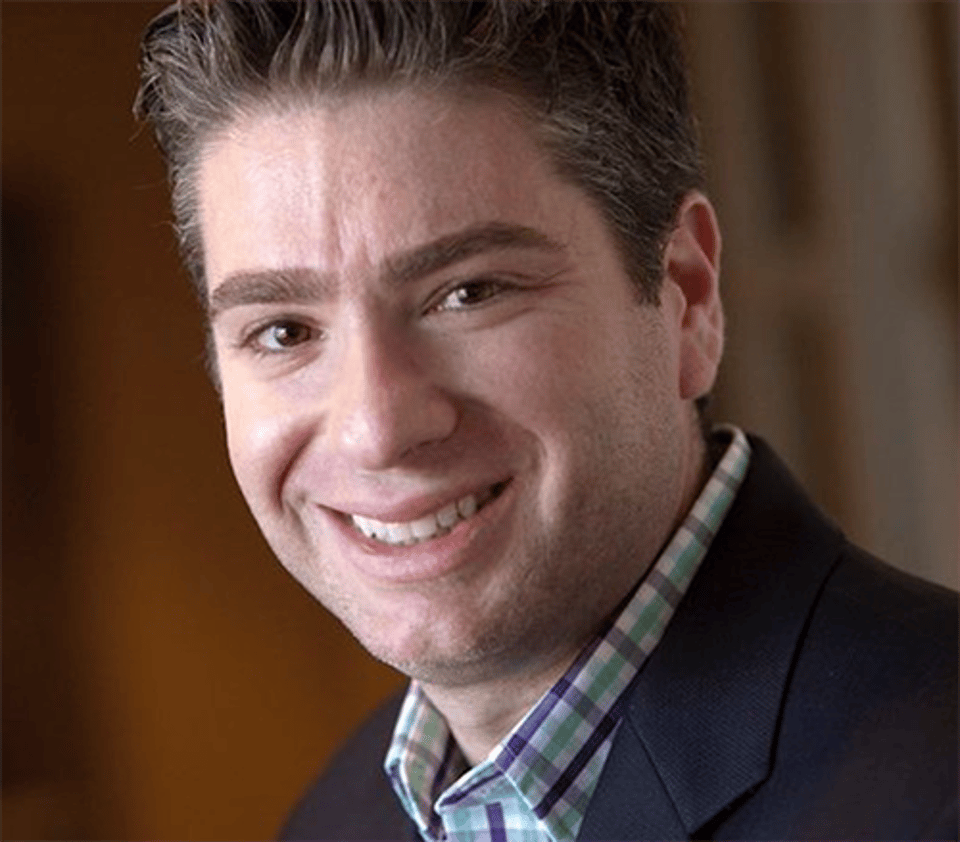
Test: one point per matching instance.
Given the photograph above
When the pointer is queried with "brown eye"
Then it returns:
(283, 335)
(470, 294)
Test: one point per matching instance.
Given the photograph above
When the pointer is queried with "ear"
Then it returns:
(691, 263)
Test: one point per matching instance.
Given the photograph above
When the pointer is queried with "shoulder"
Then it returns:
(868, 734)
(829, 676)
(353, 799)
(904, 627)
(878, 641)
(881, 653)
(869, 723)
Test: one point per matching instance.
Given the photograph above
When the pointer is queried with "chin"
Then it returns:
(432, 655)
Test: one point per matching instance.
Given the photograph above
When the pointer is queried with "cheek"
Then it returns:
(562, 378)
(245, 451)
(257, 443)
(541, 386)
(528, 378)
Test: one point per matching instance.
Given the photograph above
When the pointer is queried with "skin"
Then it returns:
(367, 370)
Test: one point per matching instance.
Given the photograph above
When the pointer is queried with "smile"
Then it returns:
(429, 526)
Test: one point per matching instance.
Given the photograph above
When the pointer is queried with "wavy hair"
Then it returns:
(605, 83)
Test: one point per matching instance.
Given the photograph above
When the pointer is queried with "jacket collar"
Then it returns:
(700, 725)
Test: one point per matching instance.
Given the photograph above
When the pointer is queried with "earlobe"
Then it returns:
(692, 262)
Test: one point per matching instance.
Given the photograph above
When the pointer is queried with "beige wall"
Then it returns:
(832, 133)
(162, 678)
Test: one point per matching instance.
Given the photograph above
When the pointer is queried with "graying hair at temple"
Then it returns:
(604, 83)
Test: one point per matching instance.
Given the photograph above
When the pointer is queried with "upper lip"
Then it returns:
(412, 508)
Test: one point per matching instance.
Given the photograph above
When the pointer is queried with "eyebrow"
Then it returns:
(454, 248)
(303, 285)
(294, 286)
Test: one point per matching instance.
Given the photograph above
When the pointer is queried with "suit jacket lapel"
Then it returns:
(631, 801)
(700, 726)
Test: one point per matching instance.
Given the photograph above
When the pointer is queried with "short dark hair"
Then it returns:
(604, 81)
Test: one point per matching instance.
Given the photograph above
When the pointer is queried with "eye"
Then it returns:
(470, 294)
(280, 336)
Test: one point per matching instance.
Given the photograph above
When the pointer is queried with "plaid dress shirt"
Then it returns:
(536, 784)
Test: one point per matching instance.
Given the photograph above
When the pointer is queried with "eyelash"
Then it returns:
(253, 340)
(490, 288)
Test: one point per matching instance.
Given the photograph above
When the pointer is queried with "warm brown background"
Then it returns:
(162, 678)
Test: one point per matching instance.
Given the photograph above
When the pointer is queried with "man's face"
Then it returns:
(452, 421)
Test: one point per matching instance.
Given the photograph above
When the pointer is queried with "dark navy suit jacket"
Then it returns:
(803, 690)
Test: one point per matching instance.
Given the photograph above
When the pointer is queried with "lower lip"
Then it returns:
(431, 559)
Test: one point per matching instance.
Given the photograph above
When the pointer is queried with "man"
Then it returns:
(462, 286)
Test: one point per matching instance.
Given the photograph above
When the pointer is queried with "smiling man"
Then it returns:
(462, 288)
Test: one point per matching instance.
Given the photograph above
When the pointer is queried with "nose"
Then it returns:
(384, 404)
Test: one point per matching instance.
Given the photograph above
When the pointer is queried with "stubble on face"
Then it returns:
(565, 383)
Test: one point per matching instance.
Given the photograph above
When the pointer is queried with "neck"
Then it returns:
(481, 715)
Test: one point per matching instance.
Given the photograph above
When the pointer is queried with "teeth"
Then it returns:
(430, 526)
(398, 533)
(467, 506)
(449, 516)
(424, 528)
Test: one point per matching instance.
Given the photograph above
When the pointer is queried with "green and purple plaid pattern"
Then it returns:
(535, 785)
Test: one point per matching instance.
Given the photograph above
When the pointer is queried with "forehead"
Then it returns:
(407, 164)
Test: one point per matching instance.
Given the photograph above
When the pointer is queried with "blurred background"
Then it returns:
(162, 677)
